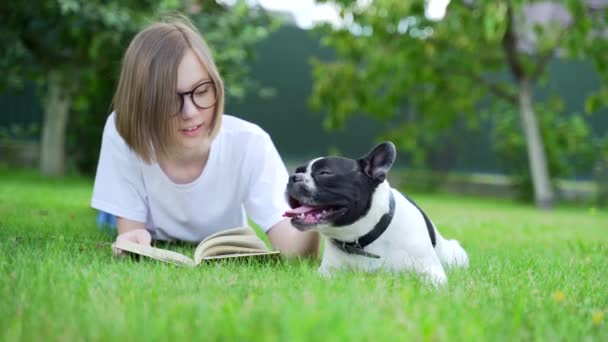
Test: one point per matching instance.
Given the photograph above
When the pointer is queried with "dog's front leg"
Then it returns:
(324, 272)
(332, 261)
(327, 267)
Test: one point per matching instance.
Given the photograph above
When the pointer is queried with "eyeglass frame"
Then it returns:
(191, 93)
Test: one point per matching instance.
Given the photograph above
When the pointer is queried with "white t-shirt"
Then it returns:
(244, 177)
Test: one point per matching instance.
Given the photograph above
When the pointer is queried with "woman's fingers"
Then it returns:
(139, 236)
(143, 237)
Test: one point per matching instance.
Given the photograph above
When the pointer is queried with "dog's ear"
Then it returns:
(378, 161)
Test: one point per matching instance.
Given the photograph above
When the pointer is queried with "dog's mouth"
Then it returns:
(303, 215)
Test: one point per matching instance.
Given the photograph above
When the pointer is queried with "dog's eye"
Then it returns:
(324, 173)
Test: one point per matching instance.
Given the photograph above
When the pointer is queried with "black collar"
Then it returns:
(357, 246)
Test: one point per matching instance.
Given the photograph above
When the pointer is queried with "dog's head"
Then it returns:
(337, 191)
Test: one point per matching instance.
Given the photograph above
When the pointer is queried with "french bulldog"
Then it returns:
(367, 224)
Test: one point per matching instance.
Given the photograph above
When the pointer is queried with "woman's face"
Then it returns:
(198, 98)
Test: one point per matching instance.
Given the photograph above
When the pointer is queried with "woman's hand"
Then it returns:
(139, 236)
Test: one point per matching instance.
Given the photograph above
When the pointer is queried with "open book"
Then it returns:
(232, 243)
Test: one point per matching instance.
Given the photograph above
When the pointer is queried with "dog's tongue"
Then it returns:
(297, 211)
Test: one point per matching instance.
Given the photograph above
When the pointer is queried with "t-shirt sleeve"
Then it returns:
(118, 188)
(265, 200)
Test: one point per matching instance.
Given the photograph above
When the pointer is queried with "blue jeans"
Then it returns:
(106, 221)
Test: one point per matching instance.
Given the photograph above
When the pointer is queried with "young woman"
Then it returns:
(174, 167)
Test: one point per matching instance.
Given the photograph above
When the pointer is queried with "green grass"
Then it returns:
(534, 276)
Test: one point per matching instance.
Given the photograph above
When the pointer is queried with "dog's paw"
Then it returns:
(434, 275)
(452, 254)
(324, 272)
(438, 279)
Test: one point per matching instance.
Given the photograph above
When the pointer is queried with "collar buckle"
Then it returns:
(357, 246)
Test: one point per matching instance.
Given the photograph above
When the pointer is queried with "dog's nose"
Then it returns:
(295, 178)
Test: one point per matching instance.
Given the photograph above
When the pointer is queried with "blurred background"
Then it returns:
(492, 98)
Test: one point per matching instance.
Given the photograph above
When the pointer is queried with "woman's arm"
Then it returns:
(119, 189)
(124, 226)
(292, 242)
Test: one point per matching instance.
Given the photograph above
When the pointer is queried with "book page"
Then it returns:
(238, 231)
(154, 253)
(269, 254)
(235, 240)
(244, 230)
(230, 244)
(232, 241)
(219, 250)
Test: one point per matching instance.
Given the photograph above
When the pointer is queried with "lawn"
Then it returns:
(534, 276)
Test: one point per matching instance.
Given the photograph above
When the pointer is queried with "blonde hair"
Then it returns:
(146, 98)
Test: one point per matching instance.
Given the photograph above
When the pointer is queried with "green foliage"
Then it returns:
(531, 278)
(375, 73)
(66, 35)
(424, 76)
(79, 40)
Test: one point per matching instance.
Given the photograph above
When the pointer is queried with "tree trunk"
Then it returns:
(543, 193)
(52, 147)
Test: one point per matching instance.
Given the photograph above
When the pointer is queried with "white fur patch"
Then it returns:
(308, 180)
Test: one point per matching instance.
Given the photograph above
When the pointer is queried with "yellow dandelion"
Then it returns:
(597, 317)
(559, 296)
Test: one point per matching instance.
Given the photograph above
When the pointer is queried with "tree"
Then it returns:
(57, 44)
(72, 49)
(394, 62)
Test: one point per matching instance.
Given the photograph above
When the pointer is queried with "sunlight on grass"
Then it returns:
(534, 276)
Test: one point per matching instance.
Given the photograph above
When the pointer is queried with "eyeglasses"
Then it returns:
(203, 96)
